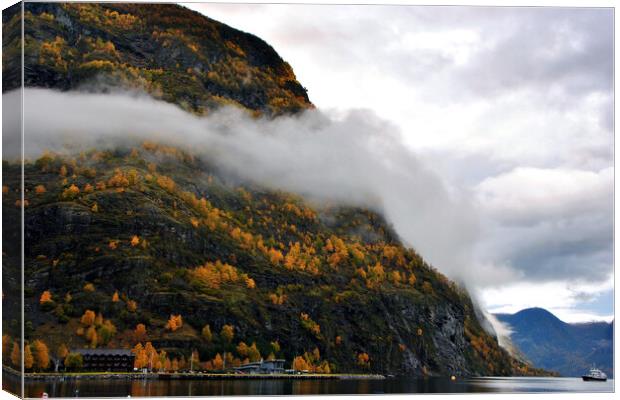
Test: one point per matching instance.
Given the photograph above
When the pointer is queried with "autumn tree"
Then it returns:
(6, 346)
(115, 298)
(254, 353)
(140, 359)
(135, 240)
(92, 337)
(300, 364)
(40, 189)
(206, 333)
(194, 360)
(275, 256)
(41, 355)
(218, 362)
(228, 333)
(28, 358)
(16, 355)
(46, 297)
(88, 318)
(249, 282)
(310, 324)
(242, 349)
(106, 332)
(71, 192)
(62, 351)
(140, 332)
(74, 361)
(132, 306)
(119, 179)
(363, 360)
(174, 322)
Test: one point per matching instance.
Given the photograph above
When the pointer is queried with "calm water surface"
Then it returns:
(144, 388)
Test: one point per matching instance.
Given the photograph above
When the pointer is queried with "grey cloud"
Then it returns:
(354, 158)
(567, 49)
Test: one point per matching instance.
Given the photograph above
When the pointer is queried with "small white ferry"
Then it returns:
(595, 374)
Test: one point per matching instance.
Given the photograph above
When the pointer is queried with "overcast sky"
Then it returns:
(512, 106)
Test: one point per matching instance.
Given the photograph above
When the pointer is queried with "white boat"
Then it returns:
(595, 374)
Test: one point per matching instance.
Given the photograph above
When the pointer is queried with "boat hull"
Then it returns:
(590, 378)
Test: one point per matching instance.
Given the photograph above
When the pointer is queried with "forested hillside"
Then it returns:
(153, 248)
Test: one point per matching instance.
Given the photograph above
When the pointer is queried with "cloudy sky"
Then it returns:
(511, 106)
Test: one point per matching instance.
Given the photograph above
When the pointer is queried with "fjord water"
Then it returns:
(145, 388)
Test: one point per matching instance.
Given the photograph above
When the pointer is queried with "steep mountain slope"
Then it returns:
(148, 243)
(555, 345)
(143, 233)
(169, 51)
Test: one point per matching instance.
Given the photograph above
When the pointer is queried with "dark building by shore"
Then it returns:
(113, 360)
(263, 367)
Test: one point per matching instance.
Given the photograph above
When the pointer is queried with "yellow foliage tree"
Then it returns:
(88, 318)
(16, 355)
(206, 333)
(28, 358)
(132, 306)
(71, 192)
(228, 333)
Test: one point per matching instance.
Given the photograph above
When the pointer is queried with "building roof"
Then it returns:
(258, 364)
(104, 352)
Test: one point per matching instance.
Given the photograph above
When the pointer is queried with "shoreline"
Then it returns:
(55, 376)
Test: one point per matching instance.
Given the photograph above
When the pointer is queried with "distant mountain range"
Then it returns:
(552, 344)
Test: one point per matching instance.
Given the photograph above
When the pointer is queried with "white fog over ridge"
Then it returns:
(511, 109)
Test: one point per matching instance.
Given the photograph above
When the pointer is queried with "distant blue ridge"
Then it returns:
(570, 349)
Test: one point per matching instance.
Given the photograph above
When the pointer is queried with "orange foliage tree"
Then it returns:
(174, 322)
(88, 318)
(41, 355)
(46, 297)
(140, 332)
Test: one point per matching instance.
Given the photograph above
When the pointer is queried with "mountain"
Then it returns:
(552, 344)
(148, 243)
(168, 51)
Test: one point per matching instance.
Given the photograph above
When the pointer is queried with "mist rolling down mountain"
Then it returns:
(147, 242)
(570, 349)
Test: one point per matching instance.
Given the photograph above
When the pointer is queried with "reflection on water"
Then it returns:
(146, 388)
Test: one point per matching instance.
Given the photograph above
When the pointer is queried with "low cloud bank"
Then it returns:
(351, 158)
